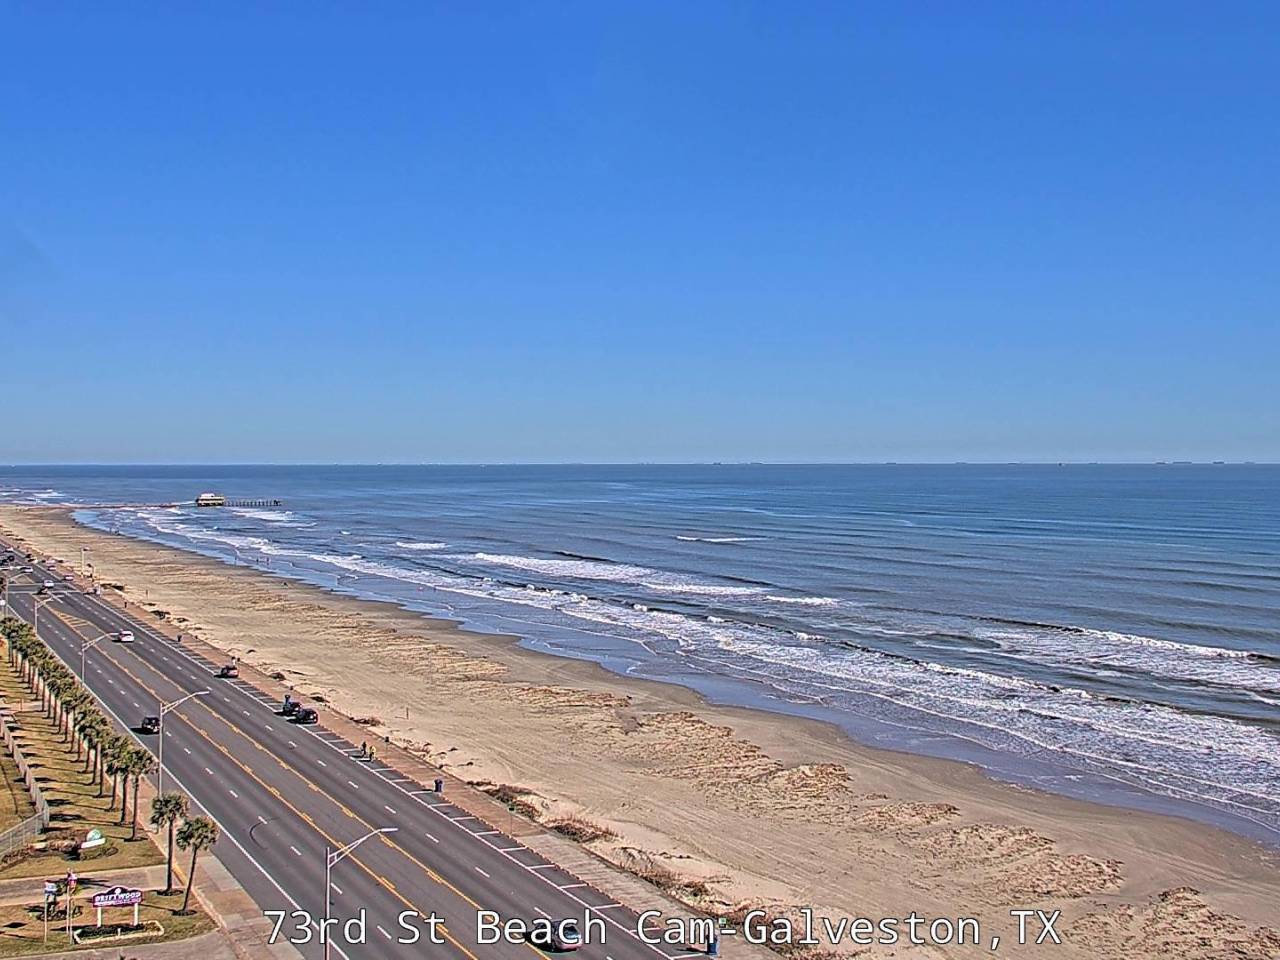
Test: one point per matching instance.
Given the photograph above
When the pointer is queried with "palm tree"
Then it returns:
(140, 764)
(117, 759)
(76, 706)
(195, 835)
(92, 727)
(166, 810)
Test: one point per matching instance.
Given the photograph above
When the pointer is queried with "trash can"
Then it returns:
(713, 948)
(439, 785)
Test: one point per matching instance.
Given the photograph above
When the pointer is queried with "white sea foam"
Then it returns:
(691, 539)
(655, 580)
(805, 601)
(1149, 656)
(283, 518)
(420, 545)
(1160, 748)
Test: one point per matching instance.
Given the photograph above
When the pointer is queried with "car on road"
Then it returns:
(229, 671)
(306, 715)
(48, 584)
(149, 725)
(124, 636)
(562, 935)
(290, 706)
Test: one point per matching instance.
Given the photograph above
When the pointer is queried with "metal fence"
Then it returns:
(31, 828)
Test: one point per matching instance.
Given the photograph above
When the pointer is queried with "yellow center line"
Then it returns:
(276, 793)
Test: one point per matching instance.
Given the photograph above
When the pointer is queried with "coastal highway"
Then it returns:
(281, 793)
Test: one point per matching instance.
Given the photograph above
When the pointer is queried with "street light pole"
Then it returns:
(84, 648)
(165, 708)
(35, 613)
(331, 859)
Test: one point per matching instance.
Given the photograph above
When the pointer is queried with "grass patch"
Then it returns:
(663, 877)
(22, 927)
(581, 829)
(74, 805)
(15, 801)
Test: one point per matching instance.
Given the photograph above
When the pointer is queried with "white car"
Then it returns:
(48, 584)
(124, 636)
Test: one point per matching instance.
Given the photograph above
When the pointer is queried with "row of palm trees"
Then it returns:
(112, 757)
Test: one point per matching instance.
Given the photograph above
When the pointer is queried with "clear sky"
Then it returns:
(639, 231)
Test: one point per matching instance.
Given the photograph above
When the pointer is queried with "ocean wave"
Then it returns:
(655, 580)
(1146, 656)
(692, 539)
(284, 518)
(1155, 747)
(804, 601)
(420, 545)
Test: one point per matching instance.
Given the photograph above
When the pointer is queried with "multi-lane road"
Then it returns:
(284, 794)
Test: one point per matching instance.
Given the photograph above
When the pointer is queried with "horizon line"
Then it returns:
(645, 463)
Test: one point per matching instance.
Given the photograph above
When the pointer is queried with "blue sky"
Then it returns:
(639, 231)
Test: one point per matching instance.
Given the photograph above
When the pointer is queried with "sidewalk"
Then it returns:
(209, 946)
(31, 889)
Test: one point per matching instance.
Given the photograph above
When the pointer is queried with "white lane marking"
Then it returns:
(484, 833)
(186, 750)
(269, 727)
(234, 794)
(208, 771)
(502, 850)
(431, 838)
(336, 889)
(354, 785)
(384, 932)
(606, 906)
(295, 849)
(388, 809)
(222, 830)
(136, 703)
(481, 872)
(321, 762)
(262, 820)
(571, 886)
(245, 712)
(543, 912)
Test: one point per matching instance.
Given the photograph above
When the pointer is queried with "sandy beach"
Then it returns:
(750, 807)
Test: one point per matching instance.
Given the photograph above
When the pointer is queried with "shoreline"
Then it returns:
(763, 807)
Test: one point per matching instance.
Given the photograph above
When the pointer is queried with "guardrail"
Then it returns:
(28, 830)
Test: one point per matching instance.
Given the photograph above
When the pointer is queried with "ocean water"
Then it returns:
(1107, 632)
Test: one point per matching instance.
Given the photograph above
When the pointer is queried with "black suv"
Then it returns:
(149, 725)
(306, 715)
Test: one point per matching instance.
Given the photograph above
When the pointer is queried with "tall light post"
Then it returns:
(84, 648)
(331, 858)
(165, 708)
(35, 613)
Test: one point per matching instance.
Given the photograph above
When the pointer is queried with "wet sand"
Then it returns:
(763, 809)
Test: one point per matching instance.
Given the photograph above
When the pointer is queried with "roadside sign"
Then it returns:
(117, 897)
(51, 890)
